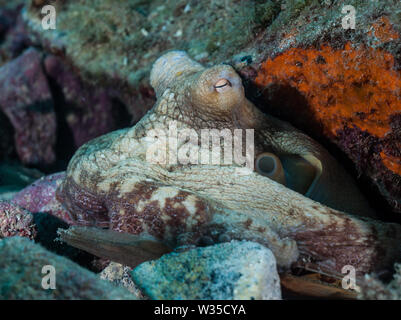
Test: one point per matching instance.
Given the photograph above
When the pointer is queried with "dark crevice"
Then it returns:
(121, 116)
(64, 148)
(7, 146)
(47, 226)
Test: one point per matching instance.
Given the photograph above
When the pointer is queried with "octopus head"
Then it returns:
(215, 91)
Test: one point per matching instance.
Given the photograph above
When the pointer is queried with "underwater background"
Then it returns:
(334, 74)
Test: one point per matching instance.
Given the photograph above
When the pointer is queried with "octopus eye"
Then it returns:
(269, 165)
(221, 85)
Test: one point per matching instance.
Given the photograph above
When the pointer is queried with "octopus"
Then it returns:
(291, 196)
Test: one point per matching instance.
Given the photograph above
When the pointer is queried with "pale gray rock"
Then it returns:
(233, 270)
(21, 263)
(120, 275)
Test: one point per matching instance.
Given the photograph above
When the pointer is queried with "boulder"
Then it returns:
(237, 270)
(22, 263)
(27, 102)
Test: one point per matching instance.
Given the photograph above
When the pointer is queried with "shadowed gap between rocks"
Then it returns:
(47, 226)
(65, 140)
(7, 149)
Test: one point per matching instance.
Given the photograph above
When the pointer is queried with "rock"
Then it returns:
(338, 84)
(16, 39)
(118, 52)
(17, 175)
(8, 15)
(13, 36)
(84, 111)
(14, 177)
(132, 36)
(88, 111)
(39, 201)
(27, 102)
(121, 276)
(7, 193)
(40, 197)
(234, 270)
(39, 226)
(371, 288)
(42, 228)
(16, 221)
(21, 262)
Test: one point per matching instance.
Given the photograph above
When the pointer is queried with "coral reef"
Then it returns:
(235, 270)
(21, 262)
(14, 177)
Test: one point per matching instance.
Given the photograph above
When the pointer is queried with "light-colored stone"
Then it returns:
(21, 263)
(120, 275)
(234, 270)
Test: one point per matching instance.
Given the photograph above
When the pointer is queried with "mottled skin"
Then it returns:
(110, 183)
